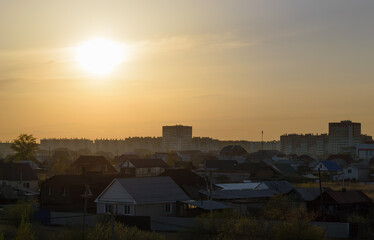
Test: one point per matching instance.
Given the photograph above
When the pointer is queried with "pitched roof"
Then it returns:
(153, 189)
(284, 168)
(240, 194)
(183, 177)
(331, 165)
(148, 162)
(348, 197)
(281, 186)
(206, 204)
(233, 150)
(92, 163)
(84, 159)
(253, 167)
(221, 164)
(16, 171)
(79, 180)
(347, 158)
(309, 194)
(264, 154)
(238, 186)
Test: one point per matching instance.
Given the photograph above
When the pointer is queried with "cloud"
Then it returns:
(176, 44)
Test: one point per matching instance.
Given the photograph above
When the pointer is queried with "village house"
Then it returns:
(302, 197)
(19, 176)
(329, 168)
(355, 172)
(241, 200)
(190, 182)
(92, 165)
(65, 193)
(142, 167)
(339, 204)
(146, 196)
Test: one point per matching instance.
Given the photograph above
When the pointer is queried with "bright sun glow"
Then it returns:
(101, 56)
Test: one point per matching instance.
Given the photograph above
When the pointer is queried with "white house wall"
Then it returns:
(157, 209)
(116, 193)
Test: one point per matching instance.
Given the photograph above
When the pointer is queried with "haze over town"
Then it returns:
(178, 120)
(231, 71)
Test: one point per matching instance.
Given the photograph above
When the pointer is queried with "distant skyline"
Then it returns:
(193, 134)
(230, 69)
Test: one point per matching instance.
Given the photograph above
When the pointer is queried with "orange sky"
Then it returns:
(229, 69)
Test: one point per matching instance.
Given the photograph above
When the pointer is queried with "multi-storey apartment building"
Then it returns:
(308, 144)
(74, 144)
(177, 138)
(343, 134)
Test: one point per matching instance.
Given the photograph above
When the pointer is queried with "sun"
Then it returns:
(101, 56)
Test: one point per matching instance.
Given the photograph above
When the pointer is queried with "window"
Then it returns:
(64, 191)
(26, 185)
(349, 170)
(168, 208)
(108, 208)
(126, 209)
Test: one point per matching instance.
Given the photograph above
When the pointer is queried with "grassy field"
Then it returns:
(368, 189)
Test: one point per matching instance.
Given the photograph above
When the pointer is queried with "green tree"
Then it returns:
(24, 231)
(61, 166)
(25, 147)
(277, 208)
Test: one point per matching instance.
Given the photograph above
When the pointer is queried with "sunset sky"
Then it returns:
(228, 68)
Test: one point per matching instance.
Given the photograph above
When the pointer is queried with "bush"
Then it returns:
(16, 211)
(277, 208)
(24, 231)
(103, 231)
(297, 230)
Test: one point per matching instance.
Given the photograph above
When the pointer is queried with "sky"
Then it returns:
(230, 69)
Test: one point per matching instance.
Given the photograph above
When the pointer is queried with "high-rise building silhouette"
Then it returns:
(176, 138)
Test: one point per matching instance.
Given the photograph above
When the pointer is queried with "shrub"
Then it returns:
(24, 231)
(16, 212)
(103, 231)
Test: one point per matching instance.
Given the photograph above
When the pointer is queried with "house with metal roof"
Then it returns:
(281, 186)
(241, 200)
(327, 166)
(146, 196)
(238, 186)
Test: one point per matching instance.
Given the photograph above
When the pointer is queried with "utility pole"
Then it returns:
(112, 221)
(262, 140)
(87, 194)
(210, 192)
(320, 190)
